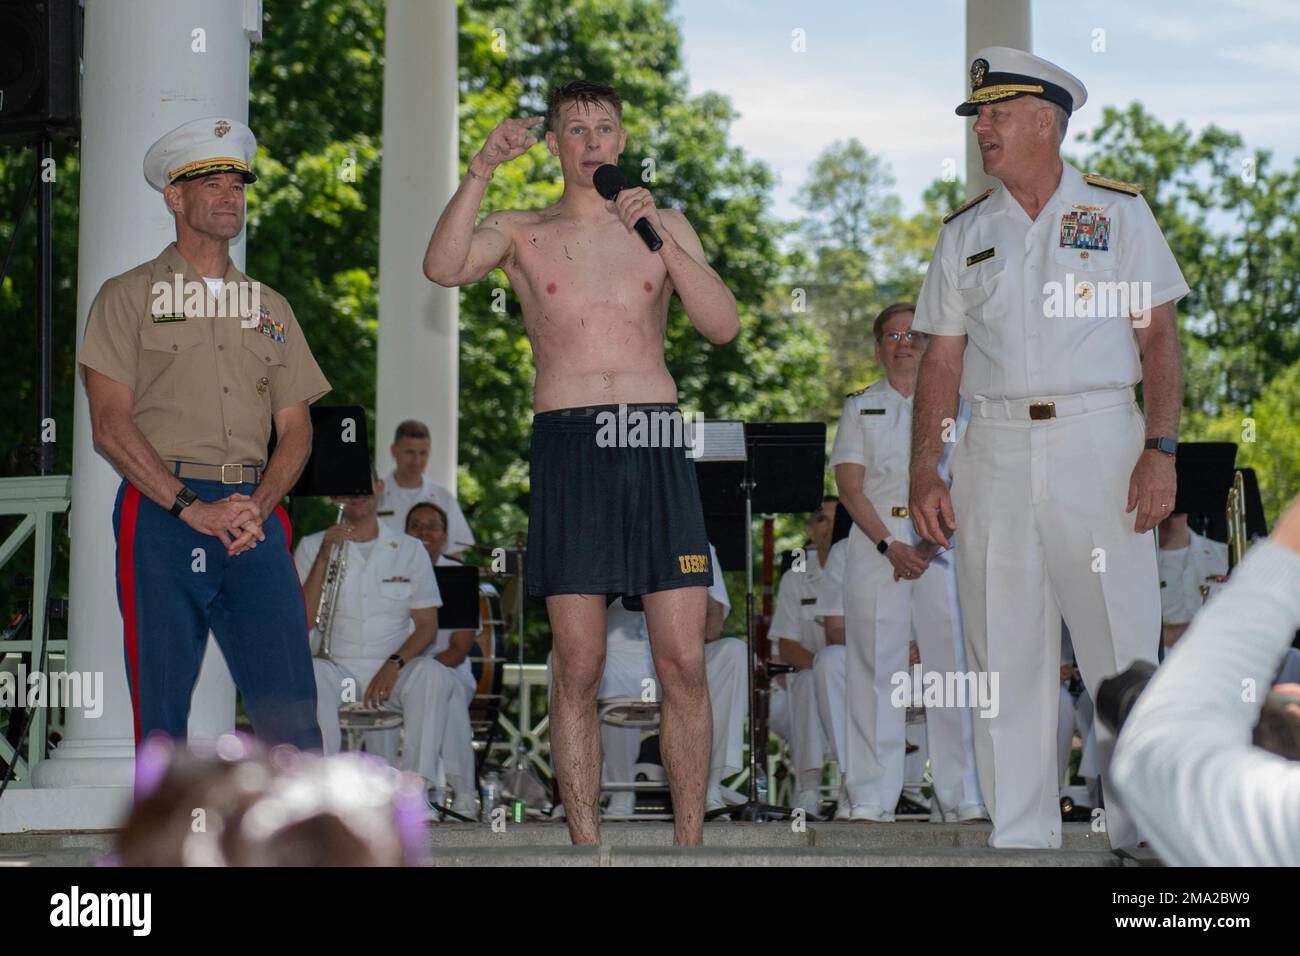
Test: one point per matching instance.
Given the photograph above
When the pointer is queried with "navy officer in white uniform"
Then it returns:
(1047, 299)
(897, 588)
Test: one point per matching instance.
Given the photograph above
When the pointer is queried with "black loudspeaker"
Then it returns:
(40, 70)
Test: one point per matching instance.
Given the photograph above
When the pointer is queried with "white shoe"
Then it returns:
(557, 812)
(843, 803)
(466, 807)
(867, 813)
(713, 801)
(810, 802)
(972, 813)
(622, 804)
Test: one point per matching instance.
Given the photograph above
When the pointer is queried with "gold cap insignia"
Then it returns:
(977, 71)
(221, 129)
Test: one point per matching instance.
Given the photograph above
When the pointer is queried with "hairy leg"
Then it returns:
(675, 620)
(578, 660)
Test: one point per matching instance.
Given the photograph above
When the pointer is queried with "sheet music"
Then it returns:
(720, 440)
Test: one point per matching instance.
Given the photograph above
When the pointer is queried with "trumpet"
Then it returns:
(1238, 541)
(329, 593)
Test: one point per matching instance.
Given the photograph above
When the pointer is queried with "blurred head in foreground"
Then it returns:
(241, 805)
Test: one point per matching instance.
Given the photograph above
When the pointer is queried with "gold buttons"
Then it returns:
(225, 388)
(175, 348)
(221, 348)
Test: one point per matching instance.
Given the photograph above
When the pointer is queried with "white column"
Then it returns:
(990, 23)
(168, 62)
(419, 345)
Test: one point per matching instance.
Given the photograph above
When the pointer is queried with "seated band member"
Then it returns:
(606, 518)
(427, 522)
(385, 620)
(1187, 561)
(1076, 715)
(407, 484)
(629, 665)
(800, 640)
(897, 588)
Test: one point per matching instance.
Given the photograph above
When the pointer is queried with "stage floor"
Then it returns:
(650, 844)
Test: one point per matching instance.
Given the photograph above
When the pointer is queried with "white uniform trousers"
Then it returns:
(828, 674)
(1040, 512)
(434, 703)
(881, 616)
(807, 741)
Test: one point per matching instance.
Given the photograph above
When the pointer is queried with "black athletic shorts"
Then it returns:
(609, 514)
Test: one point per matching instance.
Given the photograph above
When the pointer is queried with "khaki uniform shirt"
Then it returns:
(204, 388)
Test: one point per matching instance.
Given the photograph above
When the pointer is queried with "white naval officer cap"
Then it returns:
(1000, 73)
(201, 147)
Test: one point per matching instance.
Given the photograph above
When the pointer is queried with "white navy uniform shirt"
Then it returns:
(1183, 571)
(990, 268)
(400, 500)
(379, 590)
(875, 431)
(795, 617)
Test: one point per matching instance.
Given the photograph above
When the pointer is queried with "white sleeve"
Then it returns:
(1172, 564)
(849, 446)
(1184, 766)
(785, 619)
(424, 585)
(1145, 256)
(304, 556)
(718, 589)
(830, 587)
(939, 308)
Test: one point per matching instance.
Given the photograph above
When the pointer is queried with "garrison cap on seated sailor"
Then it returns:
(201, 147)
(999, 73)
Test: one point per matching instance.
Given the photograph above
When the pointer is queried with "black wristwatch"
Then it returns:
(184, 498)
(398, 660)
(1166, 445)
(883, 544)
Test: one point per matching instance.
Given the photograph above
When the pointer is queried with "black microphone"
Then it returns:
(609, 182)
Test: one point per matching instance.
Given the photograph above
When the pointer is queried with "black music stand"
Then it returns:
(339, 463)
(781, 473)
(458, 587)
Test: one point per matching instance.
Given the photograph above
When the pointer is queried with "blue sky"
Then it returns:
(890, 73)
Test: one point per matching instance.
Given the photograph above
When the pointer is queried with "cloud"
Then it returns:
(1273, 56)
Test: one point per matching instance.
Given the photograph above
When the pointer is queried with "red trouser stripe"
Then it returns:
(126, 584)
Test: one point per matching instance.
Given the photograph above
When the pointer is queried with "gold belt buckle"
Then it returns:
(899, 512)
(233, 481)
(1041, 411)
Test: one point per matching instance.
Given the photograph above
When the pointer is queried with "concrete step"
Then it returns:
(612, 855)
(650, 844)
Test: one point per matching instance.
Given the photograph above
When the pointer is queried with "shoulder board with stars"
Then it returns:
(859, 391)
(1130, 189)
(967, 205)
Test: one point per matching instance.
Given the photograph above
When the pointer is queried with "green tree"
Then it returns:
(1232, 223)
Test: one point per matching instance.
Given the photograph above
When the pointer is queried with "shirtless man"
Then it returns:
(604, 521)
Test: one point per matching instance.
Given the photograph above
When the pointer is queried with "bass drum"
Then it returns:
(487, 656)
